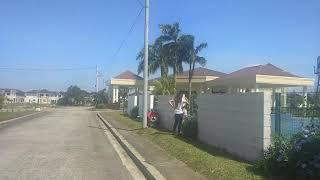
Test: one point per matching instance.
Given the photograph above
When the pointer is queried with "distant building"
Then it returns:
(34, 96)
(13, 95)
(42, 96)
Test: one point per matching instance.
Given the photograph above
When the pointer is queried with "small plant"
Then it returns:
(275, 158)
(190, 127)
(134, 112)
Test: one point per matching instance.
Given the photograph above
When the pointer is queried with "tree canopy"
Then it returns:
(170, 51)
(74, 96)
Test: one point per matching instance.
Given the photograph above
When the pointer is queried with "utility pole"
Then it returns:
(317, 72)
(97, 79)
(146, 70)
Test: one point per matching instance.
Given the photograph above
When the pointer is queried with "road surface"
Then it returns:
(65, 144)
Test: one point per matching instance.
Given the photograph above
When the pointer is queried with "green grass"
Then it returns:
(10, 115)
(206, 160)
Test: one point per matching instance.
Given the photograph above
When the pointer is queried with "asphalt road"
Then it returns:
(65, 144)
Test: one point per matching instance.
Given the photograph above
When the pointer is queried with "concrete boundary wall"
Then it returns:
(237, 123)
(132, 102)
(166, 112)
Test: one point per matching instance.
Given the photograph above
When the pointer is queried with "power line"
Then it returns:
(140, 3)
(129, 32)
(46, 69)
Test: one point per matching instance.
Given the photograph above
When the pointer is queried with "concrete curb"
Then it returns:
(2, 123)
(149, 171)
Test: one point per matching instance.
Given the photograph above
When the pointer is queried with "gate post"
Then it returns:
(277, 113)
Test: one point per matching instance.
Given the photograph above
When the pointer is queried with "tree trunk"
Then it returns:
(189, 88)
(174, 75)
(162, 71)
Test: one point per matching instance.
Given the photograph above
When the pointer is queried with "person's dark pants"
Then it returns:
(177, 122)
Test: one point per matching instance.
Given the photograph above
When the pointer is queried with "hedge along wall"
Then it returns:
(238, 123)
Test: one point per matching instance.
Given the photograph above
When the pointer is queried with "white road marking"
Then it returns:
(125, 159)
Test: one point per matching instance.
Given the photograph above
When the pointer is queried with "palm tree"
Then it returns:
(171, 34)
(164, 86)
(191, 53)
(157, 58)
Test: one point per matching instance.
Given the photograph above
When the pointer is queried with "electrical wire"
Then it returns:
(128, 34)
(140, 3)
(46, 69)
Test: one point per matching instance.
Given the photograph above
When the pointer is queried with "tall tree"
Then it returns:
(191, 53)
(74, 96)
(157, 58)
(101, 97)
(171, 34)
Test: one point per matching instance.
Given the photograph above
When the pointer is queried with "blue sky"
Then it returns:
(78, 33)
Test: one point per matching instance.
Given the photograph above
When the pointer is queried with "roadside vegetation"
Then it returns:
(10, 115)
(296, 157)
(171, 50)
(74, 96)
(1, 101)
(210, 162)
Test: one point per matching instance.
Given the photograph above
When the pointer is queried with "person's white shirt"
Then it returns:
(179, 108)
(184, 104)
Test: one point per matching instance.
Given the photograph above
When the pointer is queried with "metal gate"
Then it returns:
(298, 111)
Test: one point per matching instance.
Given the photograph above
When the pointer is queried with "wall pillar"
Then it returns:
(284, 97)
(266, 137)
(113, 94)
(117, 94)
(305, 96)
(273, 97)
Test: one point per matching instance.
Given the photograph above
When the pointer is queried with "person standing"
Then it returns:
(185, 103)
(177, 105)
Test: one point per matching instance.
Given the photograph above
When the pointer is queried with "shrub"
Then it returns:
(304, 157)
(100, 106)
(297, 157)
(114, 106)
(1, 101)
(190, 128)
(275, 158)
(134, 112)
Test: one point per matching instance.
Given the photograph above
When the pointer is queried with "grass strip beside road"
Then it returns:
(11, 115)
(202, 158)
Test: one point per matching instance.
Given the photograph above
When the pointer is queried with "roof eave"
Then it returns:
(284, 80)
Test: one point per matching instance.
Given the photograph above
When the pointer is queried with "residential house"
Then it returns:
(13, 95)
(42, 96)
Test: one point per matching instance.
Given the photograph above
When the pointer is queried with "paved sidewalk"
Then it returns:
(170, 167)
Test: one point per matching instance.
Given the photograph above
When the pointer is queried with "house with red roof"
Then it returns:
(266, 77)
(258, 78)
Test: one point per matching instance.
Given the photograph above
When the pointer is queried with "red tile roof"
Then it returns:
(128, 75)
(266, 69)
(200, 71)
